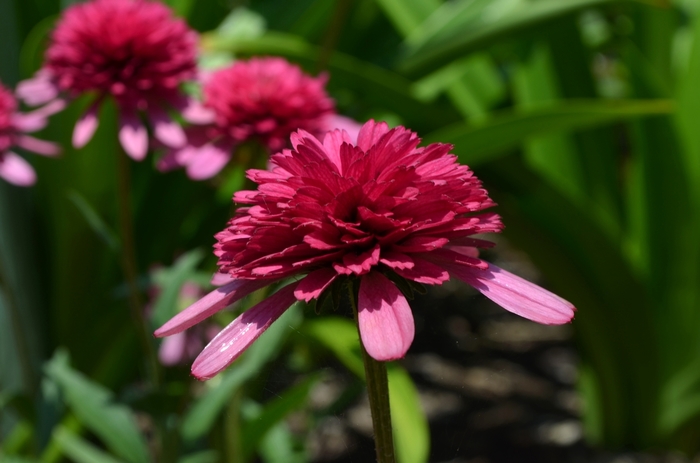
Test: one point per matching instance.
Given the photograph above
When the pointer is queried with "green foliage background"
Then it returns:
(579, 115)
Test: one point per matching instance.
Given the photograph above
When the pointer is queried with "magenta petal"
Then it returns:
(133, 136)
(37, 90)
(209, 305)
(220, 279)
(172, 349)
(516, 295)
(85, 127)
(314, 284)
(208, 161)
(167, 130)
(424, 272)
(38, 146)
(386, 321)
(37, 119)
(195, 113)
(240, 333)
(16, 170)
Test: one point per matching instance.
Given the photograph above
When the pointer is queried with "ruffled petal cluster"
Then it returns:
(263, 99)
(14, 127)
(134, 51)
(372, 209)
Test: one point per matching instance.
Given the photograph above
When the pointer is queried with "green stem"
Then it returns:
(378, 392)
(129, 266)
(19, 334)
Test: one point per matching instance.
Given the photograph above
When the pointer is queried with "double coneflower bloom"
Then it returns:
(133, 51)
(374, 209)
(262, 100)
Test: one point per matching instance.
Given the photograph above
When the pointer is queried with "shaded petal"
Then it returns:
(350, 126)
(195, 113)
(16, 170)
(133, 136)
(209, 305)
(37, 119)
(516, 294)
(38, 146)
(240, 333)
(385, 318)
(370, 133)
(424, 272)
(85, 127)
(314, 284)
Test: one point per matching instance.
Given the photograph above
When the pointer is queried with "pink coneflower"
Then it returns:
(131, 50)
(13, 129)
(263, 99)
(371, 210)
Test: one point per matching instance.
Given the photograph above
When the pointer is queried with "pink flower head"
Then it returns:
(131, 50)
(367, 210)
(13, 129)
(263, 99)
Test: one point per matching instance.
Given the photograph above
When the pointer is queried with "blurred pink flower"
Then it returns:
(13, 129)
(132, 50)
(263, 99)
(362, 210)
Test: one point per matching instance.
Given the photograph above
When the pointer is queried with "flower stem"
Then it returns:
(378, 392)
(129, 267)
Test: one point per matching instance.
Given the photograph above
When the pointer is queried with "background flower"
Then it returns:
(14, 127)
(263, 99)
(131, 50)
(373, 210)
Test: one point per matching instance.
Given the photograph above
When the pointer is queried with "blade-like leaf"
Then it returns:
(273, 412)
(493, 138)
(93, 404)
(458, 28)
(80, 450)
(170, 282)
(410, 426)
(96, 222)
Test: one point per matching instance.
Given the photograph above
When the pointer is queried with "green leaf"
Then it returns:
(273, 412)
(406, 15)
(170, 282)
(93, 405)
(411, 429)
(80, 450)
(278, 447)
(201, 417)
(459, 28)
(206, 456)
(489, 140)
(96, 222)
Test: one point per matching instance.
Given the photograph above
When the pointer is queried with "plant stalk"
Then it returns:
(129, 266)
(378, 392)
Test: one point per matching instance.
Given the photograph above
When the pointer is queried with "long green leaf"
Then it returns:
(93, 404)
(273, 412)
(410, 426)
(493, 138)
(453, 34)
(80, 450)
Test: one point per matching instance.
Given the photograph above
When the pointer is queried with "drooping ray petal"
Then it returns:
(133, 136)
(38, 146)
(240, 333)
(210, 304)
(85, 127)
(516, 294)
(314, 284)
(166, 130)
(16, 170)
(385, 318)
(208, 161)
